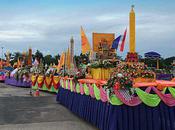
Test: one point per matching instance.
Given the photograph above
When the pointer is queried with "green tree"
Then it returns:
(14, 57)
(48, 59)
(39, 55)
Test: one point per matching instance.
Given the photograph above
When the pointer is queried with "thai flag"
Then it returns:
(116, 42)
(119, 41)
(123, 41)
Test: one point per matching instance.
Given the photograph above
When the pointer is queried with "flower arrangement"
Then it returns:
(102, 64)
(77, 76)
(119, 81)
(22, 73)
(126, 74)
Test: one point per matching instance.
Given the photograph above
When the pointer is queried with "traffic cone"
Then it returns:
(37, 93)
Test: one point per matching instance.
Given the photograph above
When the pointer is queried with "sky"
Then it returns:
(48, 25)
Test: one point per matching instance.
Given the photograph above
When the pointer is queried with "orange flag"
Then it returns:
(62, 59)
(85, 45)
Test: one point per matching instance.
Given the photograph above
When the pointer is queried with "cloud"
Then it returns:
(53, 31)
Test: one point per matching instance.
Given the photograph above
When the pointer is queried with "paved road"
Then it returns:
(19, 110)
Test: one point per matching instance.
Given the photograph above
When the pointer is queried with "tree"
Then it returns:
(14, 57)
(39, 55)
(48, 59)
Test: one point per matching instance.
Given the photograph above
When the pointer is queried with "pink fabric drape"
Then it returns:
(133, 101)
(168, 99)
(64, 81)
(81, 89)
(68, 82)
(73, 86)
(103, 95)
(91, 91)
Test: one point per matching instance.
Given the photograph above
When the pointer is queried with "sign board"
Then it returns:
(99, 37)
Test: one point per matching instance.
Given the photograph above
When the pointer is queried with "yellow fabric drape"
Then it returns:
(56, 79)
(100, 73)
(40, 79)
(85, 45)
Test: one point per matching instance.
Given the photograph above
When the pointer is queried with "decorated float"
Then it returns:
(122, 95)
(20, 76)
(5, 67)
(44, 78)
(2, 75)
(46, 82)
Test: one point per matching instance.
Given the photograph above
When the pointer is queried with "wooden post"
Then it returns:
(157, 63)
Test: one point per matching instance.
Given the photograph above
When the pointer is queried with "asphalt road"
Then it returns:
(20, 111)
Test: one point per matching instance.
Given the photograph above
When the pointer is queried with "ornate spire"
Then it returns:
(72, 40)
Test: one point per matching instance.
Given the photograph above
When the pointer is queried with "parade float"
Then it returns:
(5, 67)
(48, 81)
(117, 95)
(2, 75)
(20, 76)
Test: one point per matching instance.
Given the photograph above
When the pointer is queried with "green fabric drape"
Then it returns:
(66, 84)
(61, 81)
(172, 91)
(96, 92)
(77, 88)
(151, 100)
(114, 100)
(86, 89)
(71, 87)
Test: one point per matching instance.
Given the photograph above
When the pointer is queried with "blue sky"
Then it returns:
(48, 25)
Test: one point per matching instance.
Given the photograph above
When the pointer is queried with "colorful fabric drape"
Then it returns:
(91, 90)
(78, 88)
(168, 99)
(85, 45)
(123, 97)
(106, 116)
(56, 81)
(40, 81)
(114, 100)
(130, 101)
(71, 85)
(96, 92)
(48, 82)
(34, 79)
(81, 89)
(86, 89)
(172, 91)
(103, 95)
(151, 100)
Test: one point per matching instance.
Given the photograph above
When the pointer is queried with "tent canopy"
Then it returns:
(152, 55)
